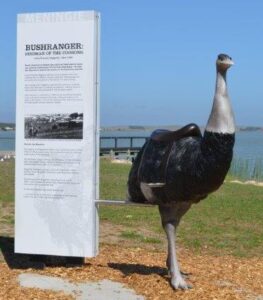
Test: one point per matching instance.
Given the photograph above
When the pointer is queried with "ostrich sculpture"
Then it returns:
(175, 169)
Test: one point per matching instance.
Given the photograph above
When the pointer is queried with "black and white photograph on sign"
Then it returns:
(54, 126)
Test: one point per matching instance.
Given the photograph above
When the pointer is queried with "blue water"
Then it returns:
(7, 140)
(249, 145)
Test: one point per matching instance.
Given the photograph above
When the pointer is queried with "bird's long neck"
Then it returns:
(221, 119)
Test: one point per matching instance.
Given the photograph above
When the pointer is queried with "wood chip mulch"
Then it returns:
(223, 277)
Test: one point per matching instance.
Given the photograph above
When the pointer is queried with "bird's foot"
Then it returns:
(179, 283)
(185, 275)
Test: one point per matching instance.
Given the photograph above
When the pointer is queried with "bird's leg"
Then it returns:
(168, 263)
(177, 280)
(170, 220)
(184, 274)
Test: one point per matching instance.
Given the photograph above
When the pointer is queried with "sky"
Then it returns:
(158, 58)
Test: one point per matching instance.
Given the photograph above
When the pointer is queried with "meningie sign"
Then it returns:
(57, 133)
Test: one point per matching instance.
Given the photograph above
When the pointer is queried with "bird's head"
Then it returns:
(224, 62)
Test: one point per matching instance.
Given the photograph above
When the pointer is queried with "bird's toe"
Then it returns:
(185, 275)
(180, 284)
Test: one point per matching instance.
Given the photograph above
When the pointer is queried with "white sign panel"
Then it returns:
(57, 133)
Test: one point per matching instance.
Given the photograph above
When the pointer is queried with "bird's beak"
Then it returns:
(227, 63)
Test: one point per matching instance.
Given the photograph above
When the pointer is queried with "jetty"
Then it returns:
(122, 145)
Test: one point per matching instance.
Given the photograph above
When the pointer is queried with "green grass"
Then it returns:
(7, 175)
(139, 237)
(229, 221)
(9, 219)
(113, 178)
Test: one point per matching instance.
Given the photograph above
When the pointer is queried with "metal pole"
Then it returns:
(121, 202)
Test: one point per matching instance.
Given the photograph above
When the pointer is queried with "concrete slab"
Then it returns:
(104, 289)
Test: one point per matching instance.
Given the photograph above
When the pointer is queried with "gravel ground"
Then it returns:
(144, 271)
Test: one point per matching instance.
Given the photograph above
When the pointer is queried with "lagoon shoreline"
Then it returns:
(7, 154)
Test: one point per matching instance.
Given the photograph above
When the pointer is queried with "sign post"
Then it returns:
(57, 134)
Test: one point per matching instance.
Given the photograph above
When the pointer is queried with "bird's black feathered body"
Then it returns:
(188, 169)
